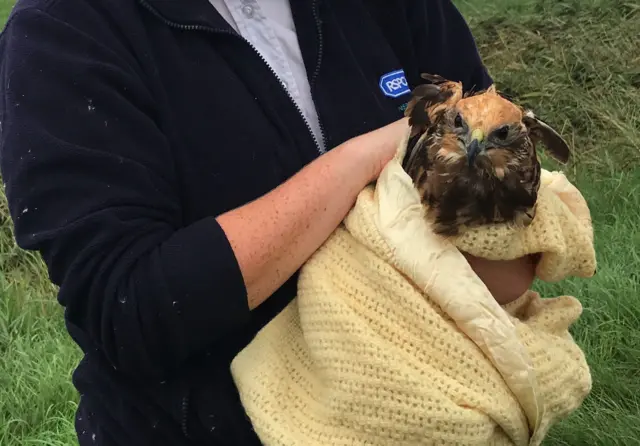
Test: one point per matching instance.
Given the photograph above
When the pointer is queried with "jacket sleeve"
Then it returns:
(562, 371)
(443, 44)
(91, 185)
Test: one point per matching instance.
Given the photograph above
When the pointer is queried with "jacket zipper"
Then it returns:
(316, 71)
(210, 29)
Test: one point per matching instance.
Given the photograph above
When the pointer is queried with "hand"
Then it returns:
(507, 280)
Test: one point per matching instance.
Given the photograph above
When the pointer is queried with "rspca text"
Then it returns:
(394, 84)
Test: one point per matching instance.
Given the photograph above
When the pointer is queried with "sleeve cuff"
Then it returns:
(204, 278)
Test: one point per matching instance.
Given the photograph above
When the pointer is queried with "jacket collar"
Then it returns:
(187, 13)
(202, 13)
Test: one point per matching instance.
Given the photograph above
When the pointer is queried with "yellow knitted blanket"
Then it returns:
(393, 339)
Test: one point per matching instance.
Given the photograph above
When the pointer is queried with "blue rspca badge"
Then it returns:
(394, 84)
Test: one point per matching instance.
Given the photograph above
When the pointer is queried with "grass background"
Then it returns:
(577, 63)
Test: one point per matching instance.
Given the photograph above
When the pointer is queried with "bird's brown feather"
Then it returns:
(502, 184)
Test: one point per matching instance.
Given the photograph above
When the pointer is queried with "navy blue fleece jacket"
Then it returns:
(128, 125)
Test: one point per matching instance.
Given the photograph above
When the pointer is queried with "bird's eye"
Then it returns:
(457, 122)
(501, 133)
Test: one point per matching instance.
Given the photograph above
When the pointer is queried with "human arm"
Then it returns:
(274, 235)
(306, 211)
(91, 184)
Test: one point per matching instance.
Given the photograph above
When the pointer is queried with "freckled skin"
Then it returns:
(500, 184)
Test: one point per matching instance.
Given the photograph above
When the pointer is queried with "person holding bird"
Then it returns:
(181, 161)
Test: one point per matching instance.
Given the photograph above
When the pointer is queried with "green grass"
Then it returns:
(577, 63)
(37, 400)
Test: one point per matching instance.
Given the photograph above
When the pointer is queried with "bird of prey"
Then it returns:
(472, 156)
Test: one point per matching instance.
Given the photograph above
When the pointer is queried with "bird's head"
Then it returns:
(489, 131)
(479, 132)
(494, 134)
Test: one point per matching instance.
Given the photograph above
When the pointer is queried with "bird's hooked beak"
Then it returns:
(476, 146)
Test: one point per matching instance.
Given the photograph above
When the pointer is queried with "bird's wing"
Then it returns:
(539, 131)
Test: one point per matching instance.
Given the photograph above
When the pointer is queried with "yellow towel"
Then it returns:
(393, 339)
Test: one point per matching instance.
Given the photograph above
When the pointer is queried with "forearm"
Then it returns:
(274, 235)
